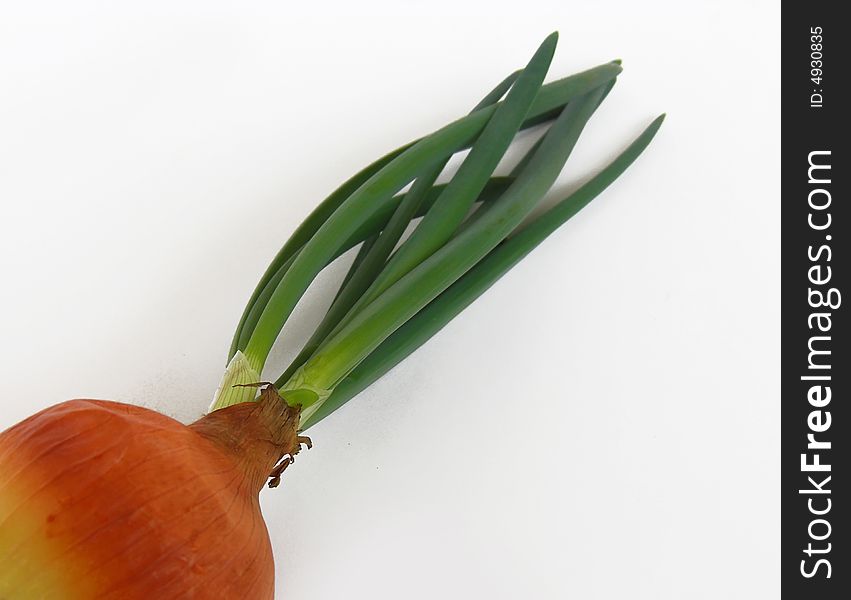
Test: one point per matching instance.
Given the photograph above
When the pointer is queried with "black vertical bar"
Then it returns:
(816, 223)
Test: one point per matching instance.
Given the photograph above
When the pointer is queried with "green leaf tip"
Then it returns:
(657, 122)
(548, 46)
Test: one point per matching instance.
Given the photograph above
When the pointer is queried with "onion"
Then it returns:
(104, 500)
(100, 499)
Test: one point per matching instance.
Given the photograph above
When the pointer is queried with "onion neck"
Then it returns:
(239, 381)
(258, 435)
(235, 386)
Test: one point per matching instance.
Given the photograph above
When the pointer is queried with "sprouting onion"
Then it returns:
(105, 500)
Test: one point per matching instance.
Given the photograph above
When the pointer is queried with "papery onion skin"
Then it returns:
(100, 499)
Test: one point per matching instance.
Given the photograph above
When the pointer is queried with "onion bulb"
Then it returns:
(100, 499)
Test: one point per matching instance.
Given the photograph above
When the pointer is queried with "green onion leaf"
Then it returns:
(361, 205)
(475, 282)
(450, 209)
(363, 272)
(300, 236)
(355, 341)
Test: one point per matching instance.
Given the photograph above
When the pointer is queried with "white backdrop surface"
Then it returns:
(603, 423)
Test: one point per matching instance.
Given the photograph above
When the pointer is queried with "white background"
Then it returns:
(603, 423)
